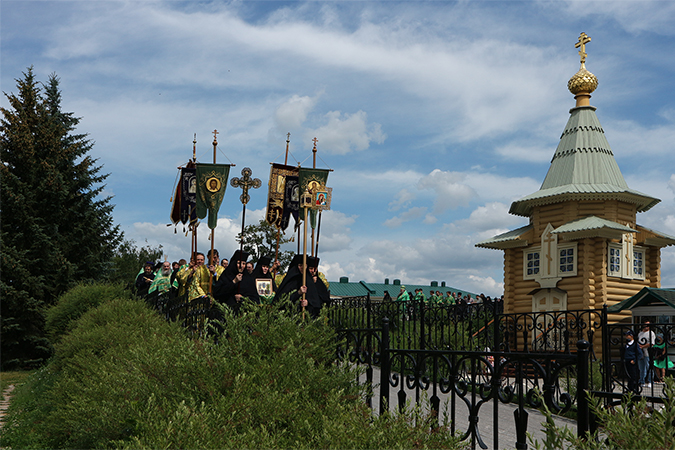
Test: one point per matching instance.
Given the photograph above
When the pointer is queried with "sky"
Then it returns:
(433, 115)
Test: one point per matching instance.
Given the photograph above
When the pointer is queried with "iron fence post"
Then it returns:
(582, 388)
(385, 367)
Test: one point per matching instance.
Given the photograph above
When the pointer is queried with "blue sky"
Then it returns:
(434, 116)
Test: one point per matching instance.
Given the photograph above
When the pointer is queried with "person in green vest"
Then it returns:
(661, 361)
(162, 281)
(403, 298)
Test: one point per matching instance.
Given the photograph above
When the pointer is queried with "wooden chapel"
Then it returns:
(582, 247)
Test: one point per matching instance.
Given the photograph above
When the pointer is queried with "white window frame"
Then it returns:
(643, 255)
(621, 263)
(574, 256)
(532, 251)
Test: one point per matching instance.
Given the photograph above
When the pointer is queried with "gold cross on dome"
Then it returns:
(581, 45)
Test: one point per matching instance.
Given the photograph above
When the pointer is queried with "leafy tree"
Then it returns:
(129, 259)
(261, 240)
(56, 228)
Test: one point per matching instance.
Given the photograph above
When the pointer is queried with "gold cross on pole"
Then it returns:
(245, 182)
(581, 45)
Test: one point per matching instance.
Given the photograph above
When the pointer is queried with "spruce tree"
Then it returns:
(56, 229)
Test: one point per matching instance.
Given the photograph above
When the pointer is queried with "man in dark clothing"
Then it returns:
(144, 280)
(630, 362)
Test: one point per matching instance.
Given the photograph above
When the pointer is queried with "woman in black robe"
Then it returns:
(235, 283)
(292, 284)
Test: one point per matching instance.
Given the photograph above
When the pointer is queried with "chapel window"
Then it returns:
(531, 264)
(614, 260)
(567, 261)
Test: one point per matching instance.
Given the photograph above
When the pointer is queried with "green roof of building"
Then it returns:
(510, 239)
(592, 226)
(647, 296)
(583, 168)
(344, 288)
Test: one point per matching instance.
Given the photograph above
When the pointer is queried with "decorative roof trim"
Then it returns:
(592, 226)
(524, 206)
(658, 240)
(510, 239)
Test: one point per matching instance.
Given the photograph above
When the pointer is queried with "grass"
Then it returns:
(15, 378)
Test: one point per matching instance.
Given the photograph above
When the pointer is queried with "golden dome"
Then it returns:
(582, 81)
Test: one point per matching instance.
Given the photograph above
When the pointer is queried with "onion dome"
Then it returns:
(582, 81)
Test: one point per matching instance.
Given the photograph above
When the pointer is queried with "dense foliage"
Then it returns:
(77, 301)
(630, 426)
(128, 259)
(125, 378)
(57, 229)
(261, 240)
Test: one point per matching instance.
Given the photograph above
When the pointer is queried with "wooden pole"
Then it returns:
(304, 265)
(215, 144)
(318, 231)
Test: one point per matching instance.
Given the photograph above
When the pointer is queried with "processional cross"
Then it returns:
(581, 45)
(245, 182)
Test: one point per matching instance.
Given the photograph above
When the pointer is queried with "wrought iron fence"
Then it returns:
(472, 356)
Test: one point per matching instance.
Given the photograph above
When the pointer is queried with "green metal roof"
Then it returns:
(647, 296)
(659, 239)
(592, 226)
(510, 239)
(376, 290)
(583, 168)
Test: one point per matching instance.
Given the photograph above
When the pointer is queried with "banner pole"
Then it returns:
(215, 144)
(304, 265)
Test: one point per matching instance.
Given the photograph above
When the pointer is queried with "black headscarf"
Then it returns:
(293, 281)
(226, 288)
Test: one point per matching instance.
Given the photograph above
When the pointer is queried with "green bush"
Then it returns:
(125, 378)
(629, 426)
(71, 305)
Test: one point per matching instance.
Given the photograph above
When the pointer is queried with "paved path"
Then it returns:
(4, 403)
(505, 418)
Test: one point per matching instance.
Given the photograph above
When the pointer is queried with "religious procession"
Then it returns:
(200, 282)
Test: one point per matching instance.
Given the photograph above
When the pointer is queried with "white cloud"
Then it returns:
(635, 16)
(335, 233)
(411, 214)
(450, 190)
(292, 113)
(671, 183)
(525, 152)
(343, 134)
(401, 200)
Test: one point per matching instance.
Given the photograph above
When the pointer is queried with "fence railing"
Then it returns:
(465, 375)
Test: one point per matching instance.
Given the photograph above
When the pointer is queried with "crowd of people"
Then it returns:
(237, 280)
(645, 359)
(436, 297)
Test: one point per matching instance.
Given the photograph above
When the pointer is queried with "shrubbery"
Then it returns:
(71, 305)
(629, 426)
(123, 377)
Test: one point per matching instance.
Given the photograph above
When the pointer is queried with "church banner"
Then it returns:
(188, 195)
(291, 201)
(311, 180)
(211, 184)
(277, 191)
